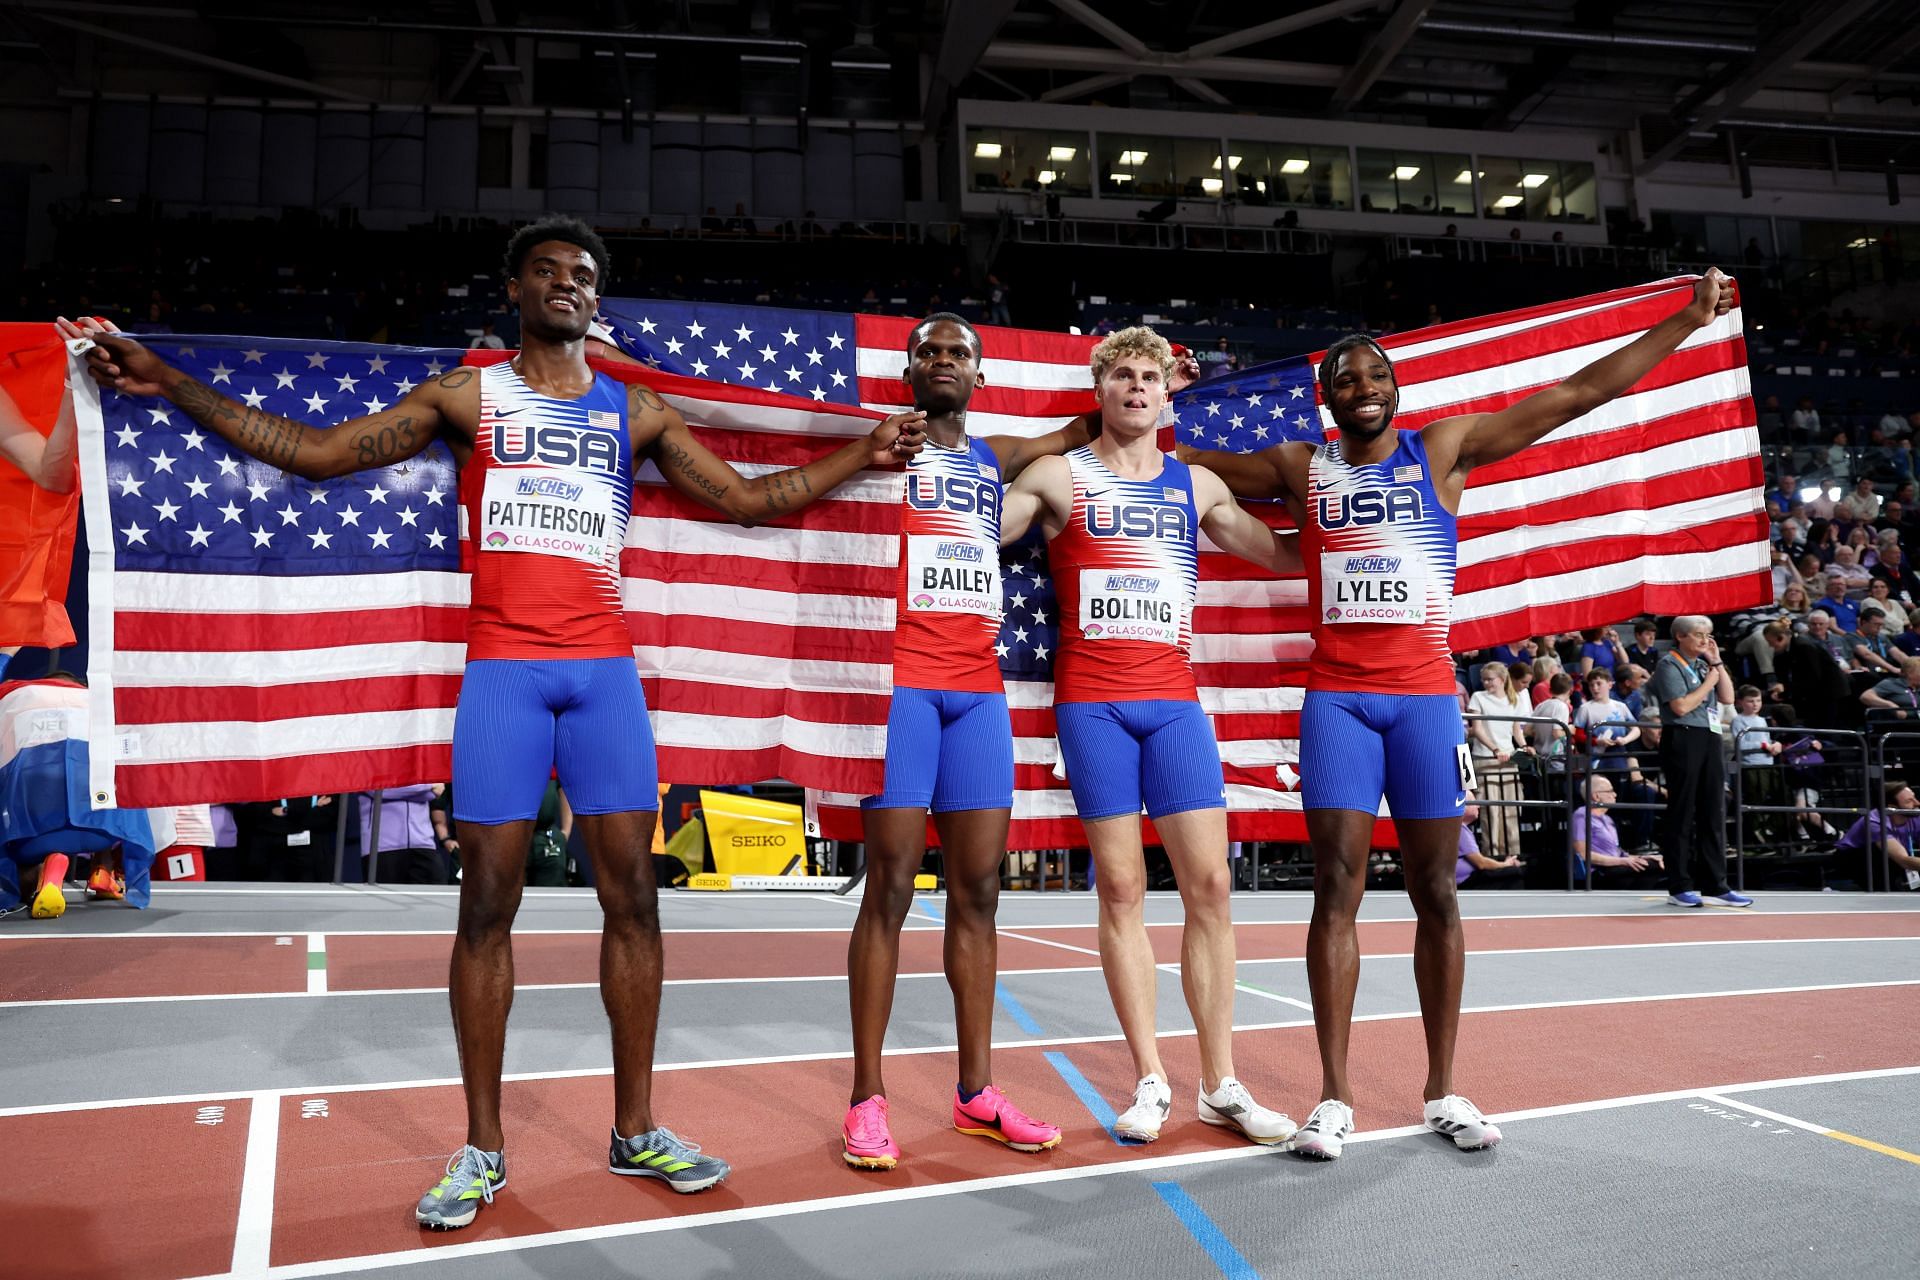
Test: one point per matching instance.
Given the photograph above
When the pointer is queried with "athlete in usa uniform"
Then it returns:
(1122, 522)
(1376, 508)
(546, 448)
(949, 747)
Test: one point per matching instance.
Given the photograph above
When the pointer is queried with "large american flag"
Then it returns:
(1649, 505)
(255, 635)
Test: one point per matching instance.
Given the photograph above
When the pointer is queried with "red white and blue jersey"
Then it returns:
(543, 508)
(1125, 572)
(949, 604)
(1380, 551)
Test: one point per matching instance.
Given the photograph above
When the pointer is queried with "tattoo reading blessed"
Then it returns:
(680, 460)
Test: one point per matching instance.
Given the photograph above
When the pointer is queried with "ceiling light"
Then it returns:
(1464, 176)
(1405, 171)
(1133, 157)
(1062, 154)
(1260, 185)
(1533, 180)
(1295, 165)
(1506, 202)
(986, 150)
(1046, 177)
(1210, 185)
(1809, 493)
(1119, 177)
(1233, 162)
(1833, 494)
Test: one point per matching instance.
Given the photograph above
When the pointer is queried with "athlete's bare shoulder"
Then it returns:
(648, 414)
(454, 395)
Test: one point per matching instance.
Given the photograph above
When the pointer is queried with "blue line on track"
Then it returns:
(1089, 1096)
(1015, 1010)
(932, 908)
(1206, 1232)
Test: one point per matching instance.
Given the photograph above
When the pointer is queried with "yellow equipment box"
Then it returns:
(754, 837)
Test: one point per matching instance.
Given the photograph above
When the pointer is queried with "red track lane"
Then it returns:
(346, 1183)
(375, 962)
(141, 1194)
(92, 968)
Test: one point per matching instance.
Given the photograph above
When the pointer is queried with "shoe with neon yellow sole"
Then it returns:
(49, 903)
(866, 1140)
(990, 1115)
(473, 1176)
(106, 883)
(661, 1153)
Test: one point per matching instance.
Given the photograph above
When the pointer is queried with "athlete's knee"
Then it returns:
(1206, 893)
(486, 913)
(973, 894)
(888, 894)
(1121, 892)
(1435, 895)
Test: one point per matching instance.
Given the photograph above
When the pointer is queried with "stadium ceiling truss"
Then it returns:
(1833, 84)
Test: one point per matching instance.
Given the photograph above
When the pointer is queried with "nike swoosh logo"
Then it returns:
(1322, 487)
(508, 413)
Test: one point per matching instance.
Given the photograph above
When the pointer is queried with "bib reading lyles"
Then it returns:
(1118, 604)
(952, 575)
(551, 512)
(1378, 587)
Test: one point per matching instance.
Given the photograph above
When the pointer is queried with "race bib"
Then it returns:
(952, 575)
(1127, 604)
(1371, 586)
(551, 512)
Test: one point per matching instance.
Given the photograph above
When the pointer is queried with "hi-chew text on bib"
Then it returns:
(551, 512)
(1132, 604)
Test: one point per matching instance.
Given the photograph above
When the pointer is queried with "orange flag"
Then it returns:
(36, 527)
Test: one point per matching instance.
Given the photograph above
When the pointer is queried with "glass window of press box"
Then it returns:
(1538, 190)
(1289, 173)
(1415, 182)
(1136, 166)
(1033, 160)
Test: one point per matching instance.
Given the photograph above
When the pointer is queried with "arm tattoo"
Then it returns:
(674, 457)
(394, 438)
(456, 378)
(264, 435)
(646, 396)
(782, 487)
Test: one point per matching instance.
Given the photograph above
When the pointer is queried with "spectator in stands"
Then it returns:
(1894, 570)
(1542, 671)
(1550, 743)
(712, 221)
(1823, 540)
(1844, 614)
(1690, 684)
(1493, 740)
(1784, 574)
(1893, 517)
(1897, 697)
(1806, 419)
(1642, 652)
(1754, 749)
(1847, 572)
(1770, 420)
(1631, 689)
(1474, 870)
(998, 295)
(1795, 604)
(1608, 724)
(739, 221)
(1893, 425)
(1839, 456)
(1827, 634)
(1888, 830)
(1596, 842)
(1600, 647)
(1519, 651)
(1756, 649)
(1866, 552)
(1793, 537)
(1872, 648)
(1810, 675)
(1880, 596)
(407, 852)
(1785, 491)
(1861, 505)
(487, 340)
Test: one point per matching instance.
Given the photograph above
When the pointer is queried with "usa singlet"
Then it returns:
(1125, 569)
(949, 604)
(544, 506)
(1380, 552)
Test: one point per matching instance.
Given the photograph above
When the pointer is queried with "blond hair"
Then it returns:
(1136, 341)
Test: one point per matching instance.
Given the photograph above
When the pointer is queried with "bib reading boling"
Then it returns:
(952, 575)
(548, 511)
(1373, 586)
(1122, 604)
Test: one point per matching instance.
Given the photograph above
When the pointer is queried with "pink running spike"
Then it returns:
(865, 1139)
(990, 1115)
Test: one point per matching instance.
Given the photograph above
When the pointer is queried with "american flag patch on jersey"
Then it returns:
(1174, 495)
(603, 419)
(1410, 472)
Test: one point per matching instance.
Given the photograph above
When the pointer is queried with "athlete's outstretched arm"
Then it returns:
(659, 431)
(313, 453)
(1238, 531)
(1017, 453)
(48, 460)
(1476, 439)
(1044, 492)
(1248, 475)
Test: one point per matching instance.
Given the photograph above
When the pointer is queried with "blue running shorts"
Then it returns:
(947, 751)
(1156, 753)
(1411, 748)
(518, 720)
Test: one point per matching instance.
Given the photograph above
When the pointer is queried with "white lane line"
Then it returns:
(1765, 1114)
(845, 1055)
(253, 1236)
(1141, 1165)
(316, 964)
(1169, 966)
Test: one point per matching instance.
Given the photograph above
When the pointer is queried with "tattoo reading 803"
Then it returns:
(377, 447)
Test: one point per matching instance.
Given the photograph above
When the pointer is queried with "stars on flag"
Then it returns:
(700, 340)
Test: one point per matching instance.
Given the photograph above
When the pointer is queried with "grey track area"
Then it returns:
(1644, 1192)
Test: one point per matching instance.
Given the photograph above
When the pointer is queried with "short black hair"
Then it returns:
(913, 335)
(1332, 360)
(556, 226)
